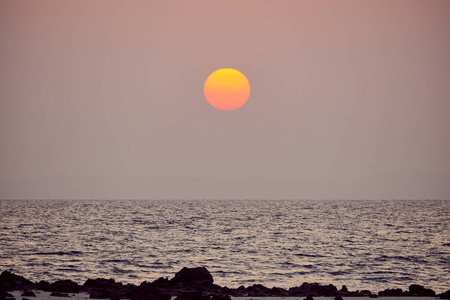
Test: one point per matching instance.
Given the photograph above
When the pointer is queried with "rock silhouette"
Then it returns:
(390, 292)
(189, 284)
(419, 290)
(10, 282)
(192, 277)
(314, 289)
(28, 294)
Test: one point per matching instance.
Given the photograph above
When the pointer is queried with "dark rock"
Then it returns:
(390, 292)
(191, 277)
(279, 292)
(220, 297)
(146, 291)
(64, 286)
(58, 294)
(104, 288)
(330, 290)
(190, 295)
(353, 293)
(101, 293)
(233, 292)
(365, 293)
(445, 295)
(239, 292)
(28, 294)
(189, 284)
(163, 296)
(6, 296)
(10, 281)
(419, 290)
(43, 285)
(314, 289)
(160, 283)
(127, 289)
(296, 291)
(257, 290)
(102, 283)
(309, 297)
(156, 288)
(139, 295)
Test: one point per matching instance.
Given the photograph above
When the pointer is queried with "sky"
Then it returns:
(104, 100)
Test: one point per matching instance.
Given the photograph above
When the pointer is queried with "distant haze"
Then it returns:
(104, 99)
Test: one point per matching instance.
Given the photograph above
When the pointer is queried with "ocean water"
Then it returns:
(363, 244)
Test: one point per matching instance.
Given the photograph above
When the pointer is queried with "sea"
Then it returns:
(363, 244)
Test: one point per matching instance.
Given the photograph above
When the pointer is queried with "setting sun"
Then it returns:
(227, 89)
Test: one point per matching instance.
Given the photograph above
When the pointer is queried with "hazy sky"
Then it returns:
(104, 99)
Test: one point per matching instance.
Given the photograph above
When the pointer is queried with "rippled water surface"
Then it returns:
(363, 244)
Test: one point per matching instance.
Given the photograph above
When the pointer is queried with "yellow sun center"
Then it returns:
(227, 89)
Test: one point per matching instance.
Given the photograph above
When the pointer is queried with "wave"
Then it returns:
(59, 253)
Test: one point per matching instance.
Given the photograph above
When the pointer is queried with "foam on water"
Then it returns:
(362, 244)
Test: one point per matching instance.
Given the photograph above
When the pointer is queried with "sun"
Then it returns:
(227, 89)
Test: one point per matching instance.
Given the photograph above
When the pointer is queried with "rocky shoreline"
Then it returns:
(189, 284)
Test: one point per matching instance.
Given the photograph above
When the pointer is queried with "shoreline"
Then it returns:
(41, 295)
(190, 284)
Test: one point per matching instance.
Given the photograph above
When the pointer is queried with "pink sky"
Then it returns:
(104, 99)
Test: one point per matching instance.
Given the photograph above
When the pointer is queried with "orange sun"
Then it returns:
(227, 89)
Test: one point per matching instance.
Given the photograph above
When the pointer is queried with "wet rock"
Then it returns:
(158, 288)
(102, 283)
(226, 291)
(28, 294)
(314, 289)
(189, 284)
(10, 281)
(419, 290)
(6, 296)
(163, 296)
(59, 294)
(353, 293)
(64, 286)
(140, 295)
(365, 293)
(309, 297)
(42, 285)
(101, 293)
(390, 292)
(239, 292)
(146, 291)
(199, 276)
(125, 290)
(257, 290)
(329, 290)
(190, 295)
(296, 291)
(161, 283)
(445, 295)
(278, 292)
(220, 297)
(101, 288)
